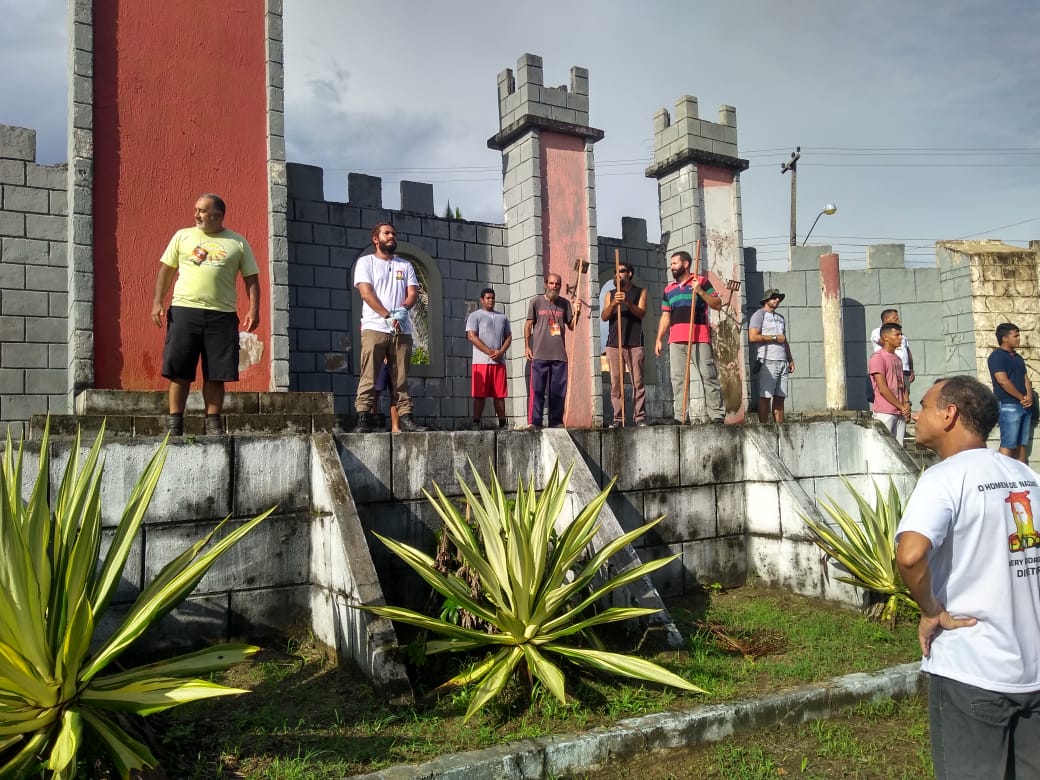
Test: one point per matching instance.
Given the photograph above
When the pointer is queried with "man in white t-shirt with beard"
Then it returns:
(969, 552)
(389, 289)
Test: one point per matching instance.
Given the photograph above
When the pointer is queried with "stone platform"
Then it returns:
(143, 413)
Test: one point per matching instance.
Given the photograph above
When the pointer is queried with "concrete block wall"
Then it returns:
(325, 240)
(788, 469)
(202, 482)
(885, 283)
(33, 281)
(732, 497)
(697, 487)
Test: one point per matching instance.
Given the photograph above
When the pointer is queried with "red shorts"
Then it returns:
(489, 380)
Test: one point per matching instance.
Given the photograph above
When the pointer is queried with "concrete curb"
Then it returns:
(534, 759)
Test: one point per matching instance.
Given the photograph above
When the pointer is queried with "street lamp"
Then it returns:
(829, 209)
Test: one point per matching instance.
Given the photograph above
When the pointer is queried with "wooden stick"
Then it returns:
(689, 338)
(580, 267)
(620, 354)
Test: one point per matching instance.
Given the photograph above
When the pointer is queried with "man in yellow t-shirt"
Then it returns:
(202, 319)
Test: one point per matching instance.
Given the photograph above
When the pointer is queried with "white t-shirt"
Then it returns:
(390, 279)
(980, 510)
(903, 351)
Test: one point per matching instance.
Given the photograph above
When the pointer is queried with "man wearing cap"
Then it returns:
(684, 307)
(767, 330)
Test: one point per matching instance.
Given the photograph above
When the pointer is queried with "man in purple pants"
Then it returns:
(549, 317)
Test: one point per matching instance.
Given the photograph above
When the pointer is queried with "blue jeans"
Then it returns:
(982, 734)
(1014, 426)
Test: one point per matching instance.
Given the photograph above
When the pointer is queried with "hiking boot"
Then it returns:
(175, 424)
(409, 425)
(214, 425)
(364, 423)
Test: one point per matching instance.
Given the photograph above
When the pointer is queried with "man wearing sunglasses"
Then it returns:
(632, 302)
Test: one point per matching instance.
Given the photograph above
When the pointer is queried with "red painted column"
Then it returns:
(833, 332)
(180, 108)
(565, 231)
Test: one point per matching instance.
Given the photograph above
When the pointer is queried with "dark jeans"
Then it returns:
(982, 734)
(548, 375)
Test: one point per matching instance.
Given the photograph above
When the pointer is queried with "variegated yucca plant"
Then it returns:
(866, 548)
(55, 692)
(537, 588)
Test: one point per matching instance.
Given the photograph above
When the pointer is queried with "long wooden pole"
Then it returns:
(620, 354)
(689, 338)
(580, 266)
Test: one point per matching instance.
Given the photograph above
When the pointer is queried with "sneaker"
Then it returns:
(502, 423)
(614, 425)
(175, 424)
(364, 423)
(641, 423)
(474, 425)
(214, 425)
(409, 425)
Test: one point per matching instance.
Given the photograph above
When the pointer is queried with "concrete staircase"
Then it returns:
(143, 413)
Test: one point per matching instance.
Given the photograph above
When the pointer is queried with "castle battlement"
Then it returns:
(526, 95)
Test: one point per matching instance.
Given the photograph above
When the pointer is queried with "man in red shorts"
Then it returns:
(489, 333)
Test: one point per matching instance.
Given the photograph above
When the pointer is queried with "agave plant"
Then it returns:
(866, 548)
(54, 690)
(537, 588)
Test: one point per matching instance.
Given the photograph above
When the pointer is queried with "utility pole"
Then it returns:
(792, 166)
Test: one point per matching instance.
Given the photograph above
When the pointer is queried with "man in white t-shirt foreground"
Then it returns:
(389, 289)
(969, 552)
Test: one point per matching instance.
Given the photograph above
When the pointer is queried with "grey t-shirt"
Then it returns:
(769, 323)
(491, 327)
(548, 338)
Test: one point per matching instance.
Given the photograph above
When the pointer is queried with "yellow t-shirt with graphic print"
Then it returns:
(208, 267)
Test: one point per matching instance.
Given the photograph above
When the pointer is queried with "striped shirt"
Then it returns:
(676, 304)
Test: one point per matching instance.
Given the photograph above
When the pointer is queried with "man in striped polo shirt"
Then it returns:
(689, 294)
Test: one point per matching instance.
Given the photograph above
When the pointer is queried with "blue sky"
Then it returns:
(917, 119)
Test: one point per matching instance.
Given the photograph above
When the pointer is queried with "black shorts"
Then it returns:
(191, 333)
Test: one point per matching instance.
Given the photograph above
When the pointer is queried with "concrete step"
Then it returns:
(153, 402)
(126, 425)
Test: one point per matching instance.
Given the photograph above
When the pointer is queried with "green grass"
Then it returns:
(881, 741)
(308, 718)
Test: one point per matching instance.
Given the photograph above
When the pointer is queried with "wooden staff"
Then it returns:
(620, 354)
(580, 267)
(689, 338)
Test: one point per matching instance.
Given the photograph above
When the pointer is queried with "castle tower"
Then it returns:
(550, 213)
(698, 184)
(148, 135)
